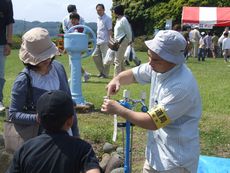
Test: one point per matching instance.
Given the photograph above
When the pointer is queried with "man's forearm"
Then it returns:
(126, 77)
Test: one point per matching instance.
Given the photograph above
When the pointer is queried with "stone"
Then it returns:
(104, 161)
(114, 162)
(120, 150)
(108, 148)
(118, 170)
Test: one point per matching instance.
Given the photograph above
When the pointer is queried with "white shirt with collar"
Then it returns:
(104, 25)
(176, 144)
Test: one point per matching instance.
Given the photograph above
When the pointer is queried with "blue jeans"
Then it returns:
(2, 71)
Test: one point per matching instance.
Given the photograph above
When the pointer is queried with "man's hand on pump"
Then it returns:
(111, 106)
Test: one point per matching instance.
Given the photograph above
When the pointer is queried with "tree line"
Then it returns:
(147, 15)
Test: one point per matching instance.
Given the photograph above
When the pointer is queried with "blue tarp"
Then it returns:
(208, 164)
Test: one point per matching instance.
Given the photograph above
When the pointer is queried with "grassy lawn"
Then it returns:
(97, 128)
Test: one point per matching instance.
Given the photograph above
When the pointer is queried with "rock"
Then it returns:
(118, 170)
(120, 150)
(114, 162)
(114, 153)
(5, 159)
(121, 156)
(104, 161)
(108, 148)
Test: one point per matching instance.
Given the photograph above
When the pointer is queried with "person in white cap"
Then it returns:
(174, 109)
(37, 53)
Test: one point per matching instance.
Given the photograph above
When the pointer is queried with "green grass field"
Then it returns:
(97, 128)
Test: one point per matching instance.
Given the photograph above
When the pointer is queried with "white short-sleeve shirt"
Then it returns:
(176, 144)
(104, 25)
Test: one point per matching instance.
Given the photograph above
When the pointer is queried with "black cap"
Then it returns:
(55, 105)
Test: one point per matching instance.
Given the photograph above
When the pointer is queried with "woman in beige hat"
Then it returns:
(37, 53)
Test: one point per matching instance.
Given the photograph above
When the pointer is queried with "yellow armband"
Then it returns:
(159, 116)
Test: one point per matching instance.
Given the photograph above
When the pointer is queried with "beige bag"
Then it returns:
(16, 134)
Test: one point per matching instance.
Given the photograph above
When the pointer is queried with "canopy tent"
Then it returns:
(206, 16)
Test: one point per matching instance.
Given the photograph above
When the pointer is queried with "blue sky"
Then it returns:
(55, 10)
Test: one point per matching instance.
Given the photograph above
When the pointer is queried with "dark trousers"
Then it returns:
(201, 54)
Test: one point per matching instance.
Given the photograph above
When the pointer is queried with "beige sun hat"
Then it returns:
(37, 46)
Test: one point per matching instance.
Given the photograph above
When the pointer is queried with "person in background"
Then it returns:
(177, 27)
(185, 32)
(66, 24)
(195, 37)
(72, 19)
(55, 151)
(202, 47)
(174, 110)
(104, 32)
(130, 54)
(220, 40)
(123, 34)
(6, 33)
(226, 46)
(215, 46)
(37, 53)
(208, 44)
(226, 29)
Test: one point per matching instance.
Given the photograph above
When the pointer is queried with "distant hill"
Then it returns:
(21, 26)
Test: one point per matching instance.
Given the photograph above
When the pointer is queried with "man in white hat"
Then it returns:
(174, 109)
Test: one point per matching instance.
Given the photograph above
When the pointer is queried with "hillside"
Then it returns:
(21, 26)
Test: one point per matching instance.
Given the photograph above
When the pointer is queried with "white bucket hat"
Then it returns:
(37, 46)
(169, 45)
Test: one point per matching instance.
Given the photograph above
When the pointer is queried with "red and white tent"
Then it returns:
(209, 16)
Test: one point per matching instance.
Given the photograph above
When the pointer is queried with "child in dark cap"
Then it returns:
(54, 151)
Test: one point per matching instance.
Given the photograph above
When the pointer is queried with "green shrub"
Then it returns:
(139, 43)
(17, 40)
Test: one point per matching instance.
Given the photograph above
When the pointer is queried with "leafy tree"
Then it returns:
(146, 15)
